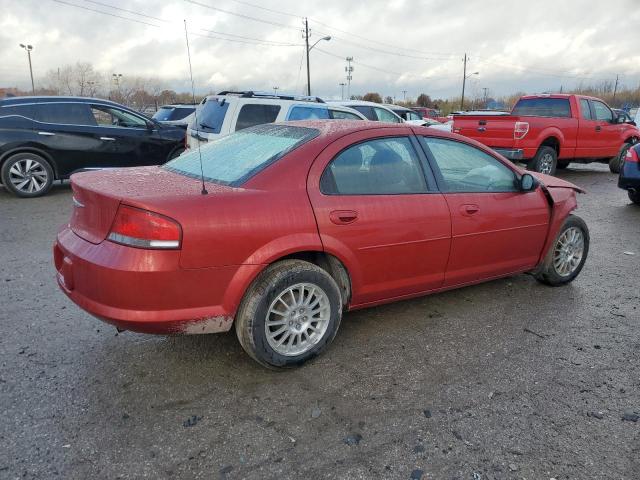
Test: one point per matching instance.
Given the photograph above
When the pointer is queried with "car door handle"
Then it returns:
(598, 128)
(46, 134)
(108, 139)
(343, 217)
(469, 209)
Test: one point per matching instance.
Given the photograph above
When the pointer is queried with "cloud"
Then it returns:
(400, 45)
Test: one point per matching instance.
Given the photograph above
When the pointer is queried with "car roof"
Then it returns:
(54, 99)
(179, 105)
(348, 103)
(397, 107)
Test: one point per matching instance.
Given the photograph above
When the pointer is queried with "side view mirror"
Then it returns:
(527, 183)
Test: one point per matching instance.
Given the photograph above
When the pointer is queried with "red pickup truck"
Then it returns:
(550, 131)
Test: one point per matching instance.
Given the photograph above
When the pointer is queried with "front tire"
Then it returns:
(545, 161)
(615, 164)
(27, 175)
(634, 197)
(291, 312)
(567, 255)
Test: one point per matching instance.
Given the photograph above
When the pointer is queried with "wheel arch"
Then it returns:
(551, 140)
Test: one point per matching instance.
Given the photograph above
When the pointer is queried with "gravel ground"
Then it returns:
(505, 380)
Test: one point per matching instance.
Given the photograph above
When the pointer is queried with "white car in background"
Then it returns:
(179, 114)
(371, 110)
(414, 118)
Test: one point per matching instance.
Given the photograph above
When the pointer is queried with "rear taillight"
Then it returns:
(520, 130)
(144, 229)
(632, 156)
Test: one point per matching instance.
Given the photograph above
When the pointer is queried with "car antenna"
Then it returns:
(195, 113)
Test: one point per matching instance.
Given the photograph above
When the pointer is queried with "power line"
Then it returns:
(247, 17)
(105, 13)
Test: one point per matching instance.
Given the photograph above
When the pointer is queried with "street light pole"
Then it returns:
(342, 84)
(306, 41)
(464, 80)
(275, 90)
(28, 48)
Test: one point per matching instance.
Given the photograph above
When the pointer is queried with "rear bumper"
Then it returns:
(511, 153)
(146, 290)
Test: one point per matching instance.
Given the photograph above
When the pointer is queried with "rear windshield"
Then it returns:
(210, 115)
(172, 113)
(235, 158)
(542, 107)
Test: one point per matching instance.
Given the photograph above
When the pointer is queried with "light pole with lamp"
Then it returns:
(342, 84)
(306, 38)
(28, 48)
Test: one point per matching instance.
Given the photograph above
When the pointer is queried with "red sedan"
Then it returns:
(295, 223)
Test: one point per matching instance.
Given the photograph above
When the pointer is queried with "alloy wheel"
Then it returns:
(297, 319)
(28, 175)
(546, 163)
(568, 251)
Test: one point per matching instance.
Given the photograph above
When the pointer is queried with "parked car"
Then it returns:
(371, 110)
(179, 114)
(427, 112)
(338, 112)
(414, 118)
(43, 139)
(629, 178)
(303, 220)
(228, 112)
(550, 131)
(623, 117)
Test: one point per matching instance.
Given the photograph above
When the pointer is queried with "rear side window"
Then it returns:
(584, 107)
(386, 116)
(366, 111)
(308, 113)
(467, 169)
(601, 111)
(64, 113)
(233, 159)
(255, 114)
(341, 115)
(210, 115)
(20, 110)
(543, 107)
(385, 166)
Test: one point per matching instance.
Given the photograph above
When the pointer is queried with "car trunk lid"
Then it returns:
(97, 195)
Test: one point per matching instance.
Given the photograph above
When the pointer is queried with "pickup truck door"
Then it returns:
(495, 228)
(608, 141)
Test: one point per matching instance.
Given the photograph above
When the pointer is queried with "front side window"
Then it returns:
(543, 107)
(308, 113)
(385, 115)
(467, 169)
(384, 166)
(602, 112)
(233, 159)
(584, 107)
(114, 117)
(256, 114)
(64, 113)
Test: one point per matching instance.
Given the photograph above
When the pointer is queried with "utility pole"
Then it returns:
(28, 48)
(275, 90)
(306, 41)
(464, 81)
(404, 96)
(349, 70)
(485, 96)
(615, 89)
(342, 84)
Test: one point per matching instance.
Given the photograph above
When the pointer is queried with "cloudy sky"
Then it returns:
(397, 45)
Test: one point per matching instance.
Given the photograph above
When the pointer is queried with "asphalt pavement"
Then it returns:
(510, 379)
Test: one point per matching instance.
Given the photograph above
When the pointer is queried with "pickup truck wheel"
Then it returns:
(27, 175)
(615, 164)
(567, 255)
(545, 161)
(634, 197)
(289, 315)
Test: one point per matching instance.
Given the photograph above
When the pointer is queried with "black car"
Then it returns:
(629, 178)
(43, 139)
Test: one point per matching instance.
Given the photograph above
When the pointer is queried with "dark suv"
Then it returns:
(43, 139)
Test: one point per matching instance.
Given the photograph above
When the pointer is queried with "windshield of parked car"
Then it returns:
(233, 159)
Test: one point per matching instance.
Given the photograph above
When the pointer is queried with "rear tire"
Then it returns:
(634, 197)
(567, 255)
(290, 313)
(176, 153)
(562, 165)
(27, 175)
(615, 164)
(545, 161)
